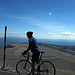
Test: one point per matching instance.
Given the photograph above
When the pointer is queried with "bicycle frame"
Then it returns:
(28, 57)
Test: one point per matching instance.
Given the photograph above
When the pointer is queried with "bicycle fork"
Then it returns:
(25, 65)
(26, 62)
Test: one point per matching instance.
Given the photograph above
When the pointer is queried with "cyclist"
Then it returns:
(33, 46)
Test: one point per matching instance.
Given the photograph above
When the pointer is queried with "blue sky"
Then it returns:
(53, 19)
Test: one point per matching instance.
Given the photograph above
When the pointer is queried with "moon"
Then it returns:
(50, 13)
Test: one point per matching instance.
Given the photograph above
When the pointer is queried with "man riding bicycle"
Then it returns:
(33, 46)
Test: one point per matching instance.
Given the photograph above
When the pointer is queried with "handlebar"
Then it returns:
(26, 54)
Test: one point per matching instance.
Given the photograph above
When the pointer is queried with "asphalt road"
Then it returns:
(7, 73)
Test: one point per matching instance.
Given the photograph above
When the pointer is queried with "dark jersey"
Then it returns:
(33, 45)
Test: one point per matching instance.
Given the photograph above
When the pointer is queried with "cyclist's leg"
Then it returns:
(38, 61)
(35, 59)
(33, 68)
(33, 64)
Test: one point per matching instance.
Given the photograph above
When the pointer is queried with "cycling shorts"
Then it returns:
(35, 57)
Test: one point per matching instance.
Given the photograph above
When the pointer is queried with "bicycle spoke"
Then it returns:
(23, 68)
(46, 68)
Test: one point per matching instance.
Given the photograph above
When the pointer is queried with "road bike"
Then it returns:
(23, 67)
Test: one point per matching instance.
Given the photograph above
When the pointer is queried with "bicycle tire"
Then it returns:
(21, 70)
(47, 68)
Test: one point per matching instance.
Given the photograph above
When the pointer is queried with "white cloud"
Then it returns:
(51, 34)
(52, 26)
(44, 36)
(56, 27)
(13, 34)
(16, 34)
(68, 33)
(24, 18)
(46, 26)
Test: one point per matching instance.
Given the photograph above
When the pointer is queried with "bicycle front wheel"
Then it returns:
(23, 67)
(47, 68)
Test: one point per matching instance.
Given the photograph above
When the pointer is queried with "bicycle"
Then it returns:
(43, 68)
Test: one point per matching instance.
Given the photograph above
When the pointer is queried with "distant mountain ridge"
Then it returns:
(66, 49)
(44, 42)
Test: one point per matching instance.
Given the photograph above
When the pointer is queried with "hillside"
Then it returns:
(61, 57)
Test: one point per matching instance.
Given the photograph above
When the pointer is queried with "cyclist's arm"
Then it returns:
(29, 47)
(26, 51)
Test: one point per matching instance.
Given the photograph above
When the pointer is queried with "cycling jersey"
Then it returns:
(33, 45)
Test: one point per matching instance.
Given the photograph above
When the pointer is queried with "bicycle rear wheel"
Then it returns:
(23, 67)
(47, 68)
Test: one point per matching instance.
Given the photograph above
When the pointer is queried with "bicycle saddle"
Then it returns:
(42, 52)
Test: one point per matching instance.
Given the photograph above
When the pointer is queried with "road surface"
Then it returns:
(7, 73)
